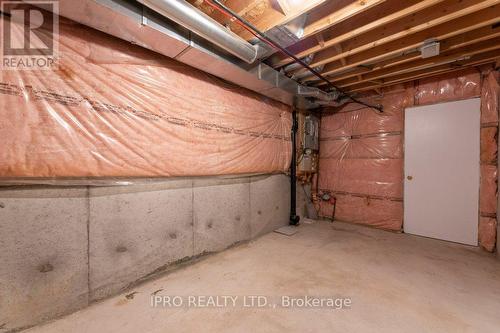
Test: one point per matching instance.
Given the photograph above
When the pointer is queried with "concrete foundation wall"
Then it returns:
(62, 248)
(304, 203)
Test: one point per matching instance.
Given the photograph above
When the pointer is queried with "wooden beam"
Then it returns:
(425, 63)
(414, 76)
(269, 16)
(489, 57)
(320, 39)
(261, 13)
(339, 49)
(455, 27)
(454, 42)
(338, 16)
(239, 6)
(447, 57)
(387, 12)
(359, 70)
(284, 6)
(434, 16)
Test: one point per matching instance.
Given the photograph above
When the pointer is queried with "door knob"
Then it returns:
(409, 177)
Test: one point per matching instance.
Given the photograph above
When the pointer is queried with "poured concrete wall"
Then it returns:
(304, 203)
(62, 248)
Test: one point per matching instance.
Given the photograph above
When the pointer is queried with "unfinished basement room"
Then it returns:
(249, 166)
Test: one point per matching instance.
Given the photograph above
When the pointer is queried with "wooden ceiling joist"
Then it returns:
(477, 60)
(387, 12)
(315, 26)
(434, 16)
(264, 14)
(467, 51)
(449, 57)
(484, 33)
(272, 15)
(365, 45)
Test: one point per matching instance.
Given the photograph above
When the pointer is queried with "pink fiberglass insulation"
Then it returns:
(489, 145)
(375, 177)
(113, 109)
(448, 87)
(361, 162)
(354, 119)
(490, 94)
(487, 232)
(361, 151)
(375, 147)
(379, 213)
(488, 189)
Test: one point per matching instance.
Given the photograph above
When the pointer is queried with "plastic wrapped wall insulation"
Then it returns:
(488, 192)
(361, 162)
(361, 151)
(487, 232)
(114, 110)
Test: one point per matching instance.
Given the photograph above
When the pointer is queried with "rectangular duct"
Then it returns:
(131, 21)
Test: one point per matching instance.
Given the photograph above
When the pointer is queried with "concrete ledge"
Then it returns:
(43, 254)
(269, 203)
(221, 214)
(135, 230)
(63, 247)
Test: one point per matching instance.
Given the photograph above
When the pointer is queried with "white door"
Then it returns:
(441, 190)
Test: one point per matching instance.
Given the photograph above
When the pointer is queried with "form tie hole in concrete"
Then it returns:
(237, 218)
(259, 212)
(45, 268)
(210, 224)
(277, 207)
(2, 205)
(131, 295)
(172, 235)
(121, 249)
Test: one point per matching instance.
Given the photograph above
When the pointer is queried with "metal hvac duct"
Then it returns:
(135, 23)
(203, 25)
(316, 93)
(295, 65)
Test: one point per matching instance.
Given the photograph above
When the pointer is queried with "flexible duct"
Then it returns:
(203, 25)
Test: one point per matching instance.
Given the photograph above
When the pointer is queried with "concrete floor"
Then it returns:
(397, 283)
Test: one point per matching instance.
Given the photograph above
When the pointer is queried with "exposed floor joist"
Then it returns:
(427, 65)
(264, 14)
(446, 57)
(412, 53)
(315, 26)
(434, 16)
(383, 14)
(363, 45)
(476, 60)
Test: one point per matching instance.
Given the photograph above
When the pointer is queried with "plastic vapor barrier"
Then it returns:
(361, 151)
(361, 162)
(113, 110)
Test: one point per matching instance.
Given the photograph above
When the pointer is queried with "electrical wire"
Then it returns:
(216, 4)
(239, 23)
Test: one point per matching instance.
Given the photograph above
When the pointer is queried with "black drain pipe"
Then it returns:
(294, 219)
